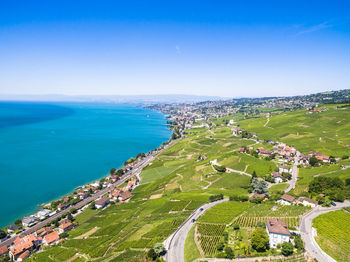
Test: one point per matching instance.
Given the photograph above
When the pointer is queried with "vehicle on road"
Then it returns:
(193, 220)
(201, 209)
(333, 204)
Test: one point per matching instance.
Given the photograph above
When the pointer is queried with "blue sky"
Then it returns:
(224, 48)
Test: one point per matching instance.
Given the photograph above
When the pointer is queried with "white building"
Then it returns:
(277, 177)
(284, 169)
(29, 221)
(278, 232)
(305, 201)
(43, 213)
(286, 200)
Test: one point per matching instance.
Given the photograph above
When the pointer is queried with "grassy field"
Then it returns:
(333, 234)
(326, 132)
(191, 250)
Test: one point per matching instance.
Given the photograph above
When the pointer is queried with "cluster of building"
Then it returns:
(117, 194)
(290, 200)
(24, 245)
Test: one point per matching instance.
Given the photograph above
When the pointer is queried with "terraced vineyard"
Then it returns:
(333, 234)
(208, 236)
(244, 221)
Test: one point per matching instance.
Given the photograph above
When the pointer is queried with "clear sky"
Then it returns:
(225, 48)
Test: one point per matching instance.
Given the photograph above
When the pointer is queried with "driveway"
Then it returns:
(175, 244)
(293, 181)
(307, 232)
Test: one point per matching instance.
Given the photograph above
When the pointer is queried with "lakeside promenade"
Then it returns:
(135, 171)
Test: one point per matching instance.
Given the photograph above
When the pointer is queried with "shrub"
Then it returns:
(287, 248)
(260, 240)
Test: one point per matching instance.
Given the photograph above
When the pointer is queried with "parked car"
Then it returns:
(333, 204)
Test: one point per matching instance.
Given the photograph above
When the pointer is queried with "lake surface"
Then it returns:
(48, 149)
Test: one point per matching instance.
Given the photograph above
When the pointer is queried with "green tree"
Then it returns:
(220, 246)
(92, 205)
(260, 240)
(158, 248)
(151, 254)
(313, 161)
(298, 243)
(112, 171)
(287, 248)
(229, 252)
(2, 234)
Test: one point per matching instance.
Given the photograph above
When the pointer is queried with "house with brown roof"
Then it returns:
(286, 200)
(65, 227)
(102, 202)
(22, 244)
(124, 195)
(51, 238)
(278, 232)
(255, 195)
(305, 201)
(277, 177)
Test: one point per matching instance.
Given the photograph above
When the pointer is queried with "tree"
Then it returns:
(70, 217)
(298, 243)
(151, 254)
(112, 171)
(2, 234)
(92, 205)
(220, 169)
(259, 186)
(220, 246)
(313, 161)
(287, 248)
(229, 252)
(158, 248)
(18, 222)
(260, 240)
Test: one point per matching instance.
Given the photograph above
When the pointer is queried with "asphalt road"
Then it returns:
(293, 181)
(137, 169)
(175, 244)
(307, 235)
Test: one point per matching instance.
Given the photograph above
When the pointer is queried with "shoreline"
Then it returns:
(41, 205)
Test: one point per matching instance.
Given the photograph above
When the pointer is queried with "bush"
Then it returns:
(229, 253)
(151, 254)
(287, 248)
(220, 169)
(220, 246)
(260, 240)
(299, 244)
(216, 197)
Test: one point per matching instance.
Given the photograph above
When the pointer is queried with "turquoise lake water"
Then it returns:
(47, 150)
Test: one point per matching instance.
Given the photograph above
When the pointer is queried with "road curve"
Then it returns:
(307, 235)
(175, 244)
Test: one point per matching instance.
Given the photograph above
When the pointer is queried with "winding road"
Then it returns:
(175, 244)
(307, 233)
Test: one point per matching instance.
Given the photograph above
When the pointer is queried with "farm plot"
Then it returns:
(208, 236)
(244, 221)
(224, 212)
(333, 234)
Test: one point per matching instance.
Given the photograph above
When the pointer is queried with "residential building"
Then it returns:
(305, 201)
(51, 238)
(124, 195)
(255, 195)
(277, 177)
(65, 227)
(102, 202)
(278, 232)
(284, 169)
(42, 214)
(12, 228)
(286, 200)
(3, 250)
(23, 256)
(29, 221)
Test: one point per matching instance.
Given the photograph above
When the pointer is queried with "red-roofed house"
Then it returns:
(286, 200)
(51, 238)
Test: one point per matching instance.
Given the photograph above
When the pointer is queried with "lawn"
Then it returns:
(191, 250)
(278, 188)
(333, 234)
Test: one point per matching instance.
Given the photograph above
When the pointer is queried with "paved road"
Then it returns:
(175, 244)
(307, 235)
(293, 181)
(136, 170)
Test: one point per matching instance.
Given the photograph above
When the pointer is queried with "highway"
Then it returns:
(136, 170)
(175, 244)
(307, 233)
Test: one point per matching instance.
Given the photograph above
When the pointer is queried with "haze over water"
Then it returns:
(47, 150)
